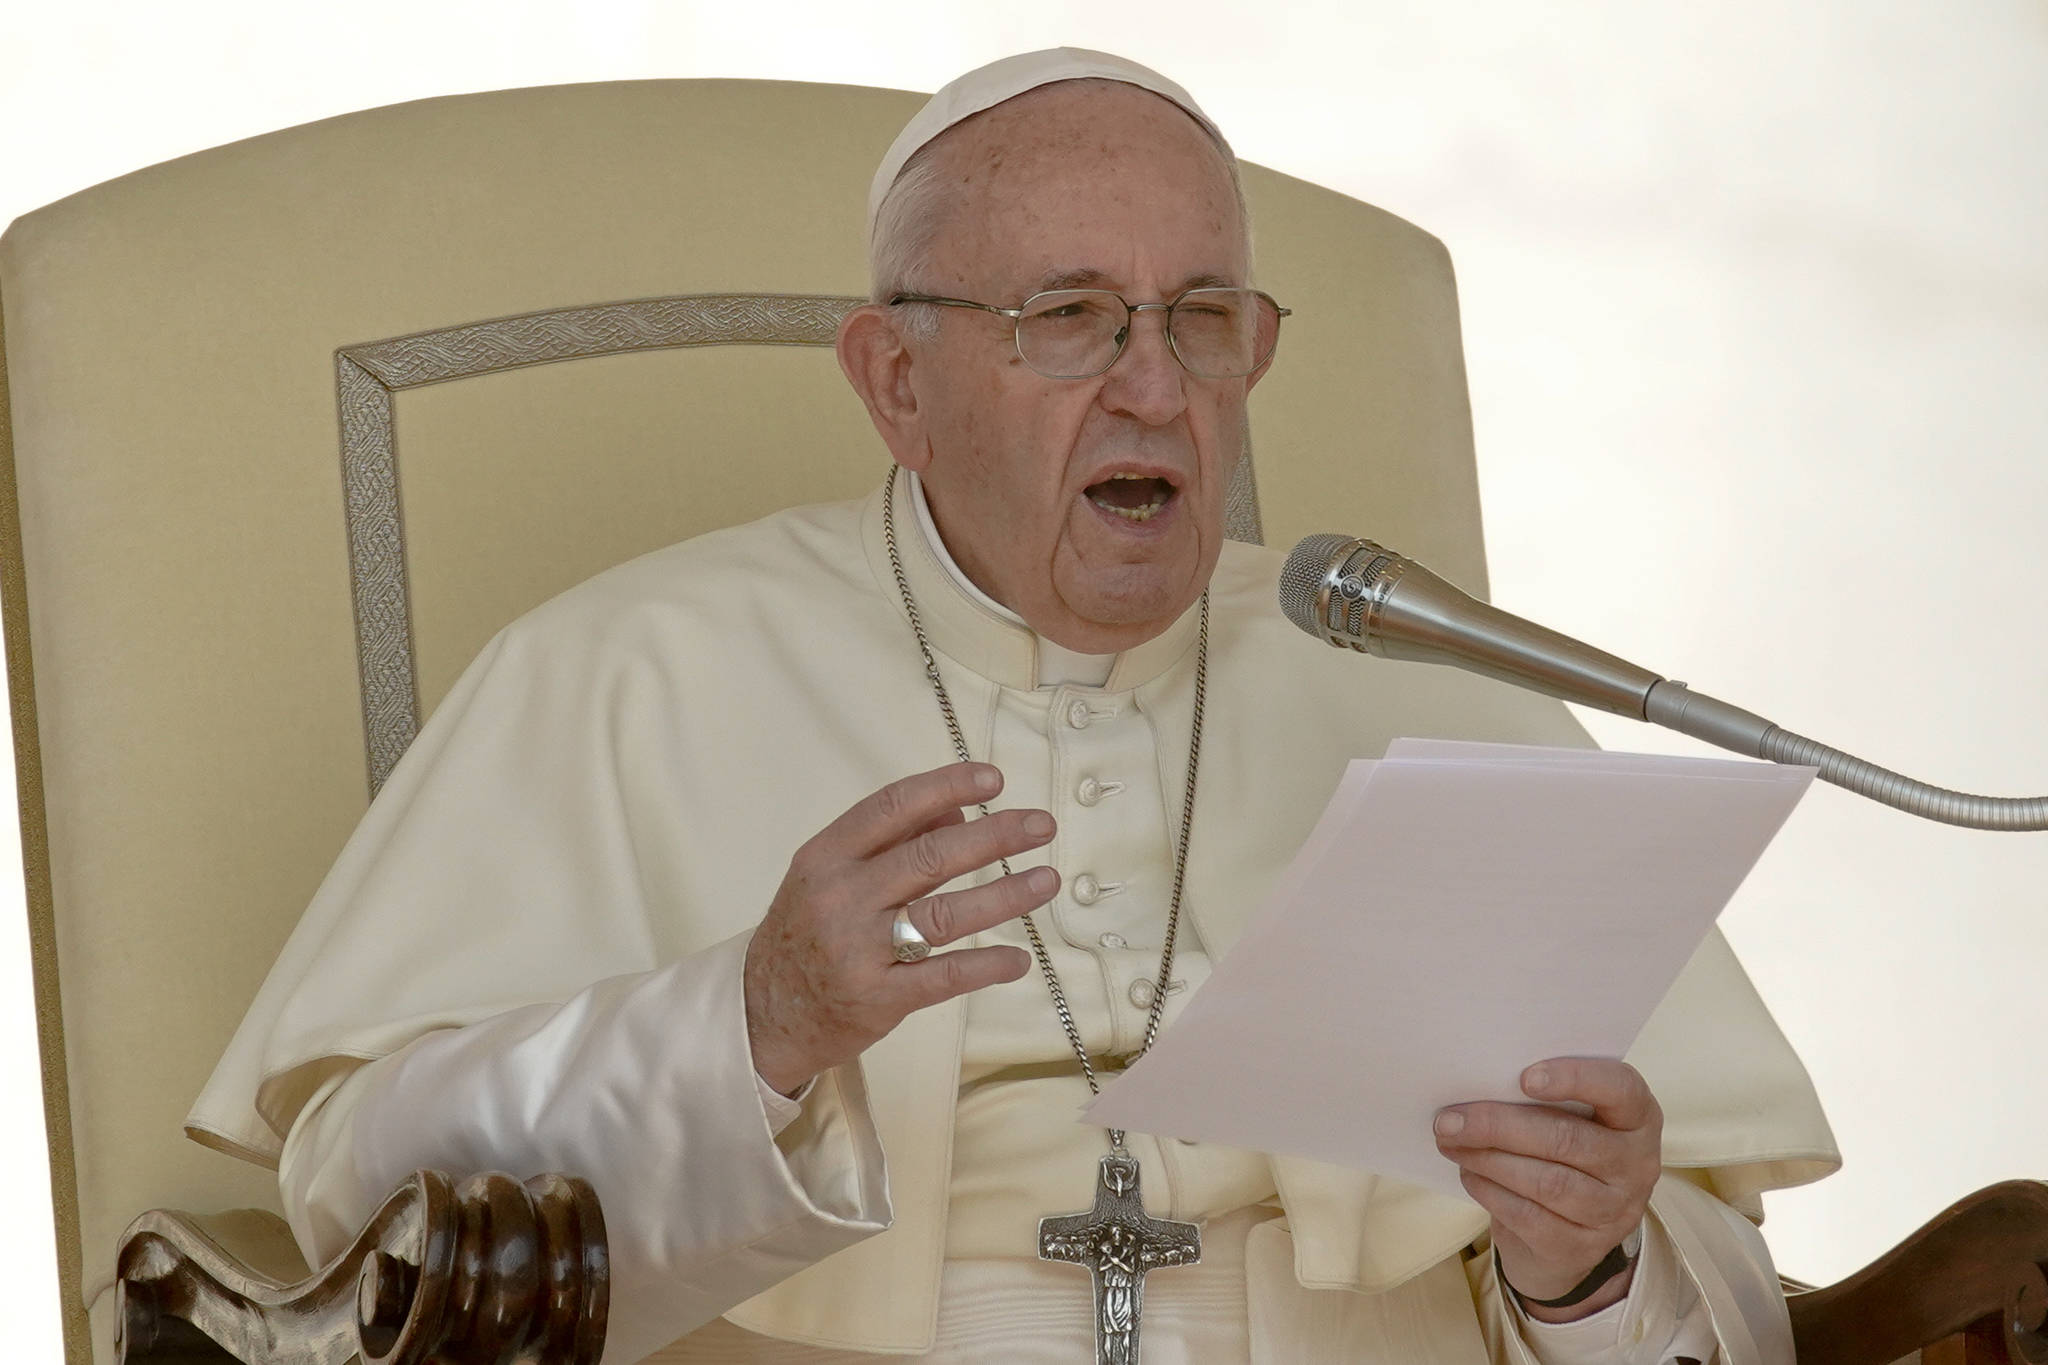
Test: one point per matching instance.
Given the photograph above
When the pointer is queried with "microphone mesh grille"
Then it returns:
(1302, 578)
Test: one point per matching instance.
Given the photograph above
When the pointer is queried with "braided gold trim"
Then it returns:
(1241, 519)
(368, 376)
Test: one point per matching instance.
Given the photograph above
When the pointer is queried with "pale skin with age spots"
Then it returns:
(1100, 185)
(818, 992)
(1083, 184)
(1561, 1189)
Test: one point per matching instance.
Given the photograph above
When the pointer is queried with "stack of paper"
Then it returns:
(1460, 911)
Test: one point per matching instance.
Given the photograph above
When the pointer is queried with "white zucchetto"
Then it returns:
(987, 86)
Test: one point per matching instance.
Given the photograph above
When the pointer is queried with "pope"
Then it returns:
(806, 957)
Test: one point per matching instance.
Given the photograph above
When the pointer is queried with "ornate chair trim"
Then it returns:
(369, 375)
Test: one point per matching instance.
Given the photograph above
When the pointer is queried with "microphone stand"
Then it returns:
(1354, 594)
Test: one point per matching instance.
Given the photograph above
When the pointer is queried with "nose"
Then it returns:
(1146, 382)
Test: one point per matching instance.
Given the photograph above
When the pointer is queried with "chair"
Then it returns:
(287, 444)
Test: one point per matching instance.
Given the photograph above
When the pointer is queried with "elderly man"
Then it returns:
(653, 896)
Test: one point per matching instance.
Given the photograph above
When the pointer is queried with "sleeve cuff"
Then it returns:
(1632, 1331)
(779, 1109)
(704, 1205)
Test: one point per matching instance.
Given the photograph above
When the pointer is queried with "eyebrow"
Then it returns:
(1087, 277)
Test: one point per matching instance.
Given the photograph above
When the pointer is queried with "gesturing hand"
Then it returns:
(822, 984)
(1563, 1190)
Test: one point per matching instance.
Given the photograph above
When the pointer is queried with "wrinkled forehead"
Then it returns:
(1086, 122)
(1070, 175)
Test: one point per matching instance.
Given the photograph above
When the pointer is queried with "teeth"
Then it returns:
(1136, 514)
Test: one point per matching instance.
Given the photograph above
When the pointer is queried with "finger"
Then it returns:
(952, 815)
(930, 860)
(945, 975)
(1617, 1092)
(907, 807)
(1535, 1130)
(954, 915)
(1538, 1228)
(1571, 1194)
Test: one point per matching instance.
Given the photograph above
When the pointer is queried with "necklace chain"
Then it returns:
(1187, 815)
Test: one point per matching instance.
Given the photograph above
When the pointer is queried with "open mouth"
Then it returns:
(1134, 497)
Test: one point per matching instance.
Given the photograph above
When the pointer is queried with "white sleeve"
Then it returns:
(1661, 1319)
(1704, 1290)
(643, 1085)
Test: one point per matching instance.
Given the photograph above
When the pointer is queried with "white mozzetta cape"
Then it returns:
(612, 792)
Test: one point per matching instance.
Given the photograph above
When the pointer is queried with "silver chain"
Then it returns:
(1187, 816)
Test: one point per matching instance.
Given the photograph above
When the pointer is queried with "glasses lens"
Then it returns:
(1071, 333)
(1224, 333)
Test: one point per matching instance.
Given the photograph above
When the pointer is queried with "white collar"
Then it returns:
(1057, 666)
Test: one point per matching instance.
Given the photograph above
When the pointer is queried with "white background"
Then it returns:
(1756, 311)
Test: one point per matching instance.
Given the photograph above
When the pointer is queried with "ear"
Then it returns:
(876, 359)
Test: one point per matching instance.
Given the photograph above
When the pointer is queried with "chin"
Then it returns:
(1137, 609)
(1133, 592)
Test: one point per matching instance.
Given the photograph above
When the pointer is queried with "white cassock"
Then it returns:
(611, 795)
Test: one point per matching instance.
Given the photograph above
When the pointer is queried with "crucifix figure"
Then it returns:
(1118, 1244)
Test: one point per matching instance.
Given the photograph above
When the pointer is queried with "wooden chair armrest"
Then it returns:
(490, 1268)
(1972, 1285)
(483, 1270)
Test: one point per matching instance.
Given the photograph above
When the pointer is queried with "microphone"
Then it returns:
(1352, 593)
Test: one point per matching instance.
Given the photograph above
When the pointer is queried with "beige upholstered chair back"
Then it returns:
(286, 453)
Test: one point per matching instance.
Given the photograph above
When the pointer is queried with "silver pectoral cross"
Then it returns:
(1118, 1244)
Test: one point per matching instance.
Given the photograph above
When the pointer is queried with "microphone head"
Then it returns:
(1334, 586)
(1308, 568)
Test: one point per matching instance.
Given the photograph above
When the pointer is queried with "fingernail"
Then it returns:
(1536, 1080)
(1038, 825)
(1450, 1123)
(1042, 880)
(987, 780)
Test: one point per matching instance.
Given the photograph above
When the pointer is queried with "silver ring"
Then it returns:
(904, 941)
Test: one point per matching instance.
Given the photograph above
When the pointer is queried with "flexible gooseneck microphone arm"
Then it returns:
(1355, 594)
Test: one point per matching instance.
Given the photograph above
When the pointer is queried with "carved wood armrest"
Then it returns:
(481, 1271)
(1980, 1268)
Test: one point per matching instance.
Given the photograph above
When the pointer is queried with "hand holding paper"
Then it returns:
(1461, 911)
(1563, 1189)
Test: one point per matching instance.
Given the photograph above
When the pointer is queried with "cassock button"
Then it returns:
(1078, 715)
(1093, 789)
(1087, 890)
(1143, 988)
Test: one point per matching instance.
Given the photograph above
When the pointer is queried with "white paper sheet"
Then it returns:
(1461, 911)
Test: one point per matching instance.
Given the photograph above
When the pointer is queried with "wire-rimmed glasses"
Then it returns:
(1215, 333)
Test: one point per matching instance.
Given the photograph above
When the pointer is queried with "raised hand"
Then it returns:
(1563, 1190)
(822, 983)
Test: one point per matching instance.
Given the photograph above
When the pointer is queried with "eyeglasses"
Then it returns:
(1079, 333)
